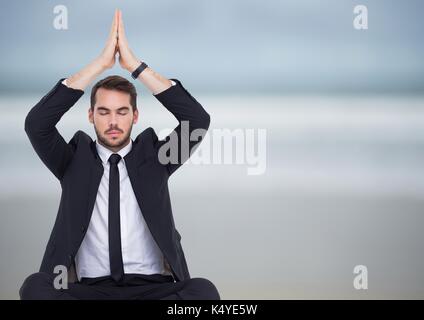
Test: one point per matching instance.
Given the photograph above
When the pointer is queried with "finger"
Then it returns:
(116, 23)
(113, 35)
(114, 27)
(111, 45)
(121, 30)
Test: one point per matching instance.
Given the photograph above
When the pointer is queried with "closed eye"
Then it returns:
(122, 113)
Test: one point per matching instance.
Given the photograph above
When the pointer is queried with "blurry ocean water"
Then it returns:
(343, 186)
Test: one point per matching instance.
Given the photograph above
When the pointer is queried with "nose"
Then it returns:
(113, 120)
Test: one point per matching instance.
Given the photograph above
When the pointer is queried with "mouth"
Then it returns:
(113, 133)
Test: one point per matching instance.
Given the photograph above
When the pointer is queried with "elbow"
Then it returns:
(205, 121)
(30, 124)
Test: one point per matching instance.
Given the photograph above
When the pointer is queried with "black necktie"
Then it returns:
(115, 251)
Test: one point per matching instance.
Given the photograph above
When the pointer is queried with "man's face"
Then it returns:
(113, 118)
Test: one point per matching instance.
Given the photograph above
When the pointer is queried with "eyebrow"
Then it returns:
(107, 109)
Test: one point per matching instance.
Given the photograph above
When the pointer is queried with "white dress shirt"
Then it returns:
(140, 252)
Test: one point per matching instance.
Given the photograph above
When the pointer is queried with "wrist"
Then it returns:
(100, 65)
(133, 65)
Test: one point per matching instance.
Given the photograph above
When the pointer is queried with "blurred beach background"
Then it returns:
(344, 114)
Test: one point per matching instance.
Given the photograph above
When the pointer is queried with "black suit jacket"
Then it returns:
(78, 167)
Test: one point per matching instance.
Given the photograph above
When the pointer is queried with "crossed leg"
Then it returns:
(39, 286)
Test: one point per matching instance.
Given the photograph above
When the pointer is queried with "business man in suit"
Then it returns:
(114, 232)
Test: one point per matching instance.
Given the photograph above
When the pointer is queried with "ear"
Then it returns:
(90, 115)
(135, 118)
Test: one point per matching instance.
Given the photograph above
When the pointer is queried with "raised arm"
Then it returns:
(187, 110)
(151, 79)
(41, 121)
(105, 61)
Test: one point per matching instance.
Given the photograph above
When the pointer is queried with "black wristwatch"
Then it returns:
(139, 70)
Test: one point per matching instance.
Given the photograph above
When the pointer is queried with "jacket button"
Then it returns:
(82, 229)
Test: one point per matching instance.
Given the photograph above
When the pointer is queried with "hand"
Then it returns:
(108, 55)
(127, 59)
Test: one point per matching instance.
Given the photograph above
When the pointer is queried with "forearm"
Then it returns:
(193, 121)
(184, 106)
(151, 79)
(40, 126)
(44, 116)
(84, 77)
(155, 82)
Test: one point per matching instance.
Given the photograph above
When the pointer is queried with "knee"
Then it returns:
(34, 285)
(204, 289)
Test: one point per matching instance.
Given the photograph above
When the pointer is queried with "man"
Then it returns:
(114, 233)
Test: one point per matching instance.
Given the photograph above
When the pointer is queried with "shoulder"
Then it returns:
(146, 142)
(80, 137)
(148, 135)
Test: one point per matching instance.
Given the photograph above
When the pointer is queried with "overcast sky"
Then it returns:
(224, 46)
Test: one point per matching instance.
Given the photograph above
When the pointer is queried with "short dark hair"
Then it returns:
(117, 83)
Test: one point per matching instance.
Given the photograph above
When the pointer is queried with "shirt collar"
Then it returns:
(105, 153)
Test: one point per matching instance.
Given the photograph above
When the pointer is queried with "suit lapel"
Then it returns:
(94, 182)
(135, 162)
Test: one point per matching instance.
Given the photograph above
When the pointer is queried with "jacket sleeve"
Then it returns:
(177, 147)
(40, 126)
